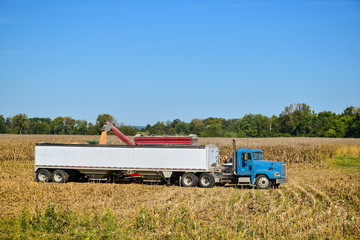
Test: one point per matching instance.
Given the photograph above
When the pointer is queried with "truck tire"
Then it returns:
(189, 180)
(206, 180)
(43, 175)
(262, 182)
(60, 176)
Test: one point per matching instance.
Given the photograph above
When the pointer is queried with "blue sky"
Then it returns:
(144, 61)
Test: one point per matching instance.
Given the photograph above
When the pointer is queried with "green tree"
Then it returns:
(157, 129)
(172, 132)
(296, 120)
(214, 121)
(230, 127)
(128, 130)
(80, 127)
(182, 128)
(213, 127)
(354, 127)
(303, 117)
(274, 126)
(19, 123)
(8, 123)
(69, 123)
(92, 129)
(322, 124)
(102, 119)
(147, 128)
(286, 119)
(351, 118)
(254, 125)
(57, 125)
(330, 133)
(212, 130)
(341, 125)
(349, 111)
(174, 123)
(196, 126)
(39, 125)
(168, 127)
(2, 124)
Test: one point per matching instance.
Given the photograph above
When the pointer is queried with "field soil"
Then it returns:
(321, 199)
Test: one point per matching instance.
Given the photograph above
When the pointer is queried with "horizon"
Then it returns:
(165, 121)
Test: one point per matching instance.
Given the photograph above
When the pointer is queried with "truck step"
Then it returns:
(98, 179)
(152, 180)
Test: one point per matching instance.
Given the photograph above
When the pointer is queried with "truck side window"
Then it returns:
(246, 156)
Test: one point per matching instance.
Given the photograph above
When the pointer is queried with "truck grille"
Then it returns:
(283, 170)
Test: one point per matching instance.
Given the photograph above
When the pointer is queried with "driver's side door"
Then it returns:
(246, 163)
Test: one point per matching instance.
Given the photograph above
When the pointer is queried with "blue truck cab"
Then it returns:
(251, 169)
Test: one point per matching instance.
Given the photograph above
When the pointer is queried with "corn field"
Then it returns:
(321, 201)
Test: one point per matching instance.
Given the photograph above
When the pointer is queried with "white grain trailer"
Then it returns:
(188, 164)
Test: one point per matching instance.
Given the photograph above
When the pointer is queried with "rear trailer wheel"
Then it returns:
(43, 175)
(206, 180)
(189, 180)
(262, 182)
(60, 176)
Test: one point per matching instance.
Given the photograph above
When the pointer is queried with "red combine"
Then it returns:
(148, 140)
(155, 140)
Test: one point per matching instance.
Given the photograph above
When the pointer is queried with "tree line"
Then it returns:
(297, 120)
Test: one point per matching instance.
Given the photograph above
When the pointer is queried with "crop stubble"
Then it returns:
(319, 201)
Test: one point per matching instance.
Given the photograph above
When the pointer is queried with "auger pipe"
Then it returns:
(108, 126)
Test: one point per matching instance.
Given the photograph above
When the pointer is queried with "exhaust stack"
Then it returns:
(234, 158)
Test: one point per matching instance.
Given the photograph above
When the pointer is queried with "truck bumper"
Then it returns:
(281, 180)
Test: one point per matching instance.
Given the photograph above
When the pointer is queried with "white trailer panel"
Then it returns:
(174, 158)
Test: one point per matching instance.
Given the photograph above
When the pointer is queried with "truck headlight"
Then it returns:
(276, 174)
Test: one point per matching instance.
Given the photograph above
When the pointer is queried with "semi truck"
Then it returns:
(171, 161)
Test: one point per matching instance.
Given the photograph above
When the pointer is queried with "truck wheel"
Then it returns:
(262, 182)
(43, 175)
(189, 180)
(206, 180)
(59, 176)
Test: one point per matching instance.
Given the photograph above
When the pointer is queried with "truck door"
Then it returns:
(245, 164)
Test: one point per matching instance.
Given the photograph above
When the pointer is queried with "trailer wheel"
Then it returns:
(189, 180)
(43, 175)
(262, 182)
(60, 176)
(206, 180)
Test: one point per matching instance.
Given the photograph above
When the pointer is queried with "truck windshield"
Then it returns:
(257, 155)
